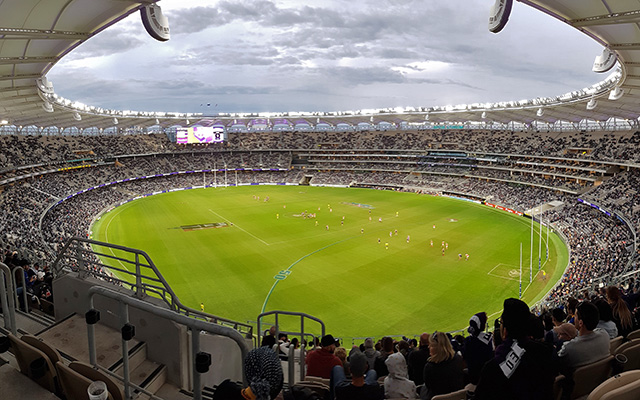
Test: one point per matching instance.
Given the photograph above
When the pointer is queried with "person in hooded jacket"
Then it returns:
(397, 384)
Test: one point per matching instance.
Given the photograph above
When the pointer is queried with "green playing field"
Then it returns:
(366, 262)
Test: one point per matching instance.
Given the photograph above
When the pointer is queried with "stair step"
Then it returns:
(169, 391)
(70, 338)
(149, 375)
(137, 354)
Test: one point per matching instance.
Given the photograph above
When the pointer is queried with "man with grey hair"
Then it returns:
(364, 380)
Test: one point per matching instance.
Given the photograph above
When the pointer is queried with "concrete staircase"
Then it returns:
(69, 336)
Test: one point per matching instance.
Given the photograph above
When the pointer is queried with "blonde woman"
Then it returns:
(341, 353)
(443, 370)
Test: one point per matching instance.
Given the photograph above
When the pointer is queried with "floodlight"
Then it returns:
(156, 24)
(591, 105)
(499, 15)
(605, 61)
(616, 93)
(47, 107)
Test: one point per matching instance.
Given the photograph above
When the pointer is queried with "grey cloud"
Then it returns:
(111, 42)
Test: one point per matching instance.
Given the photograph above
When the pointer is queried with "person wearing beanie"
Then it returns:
(521, 368)
(263, 371)
(478, 347)
(364, 380)
(321, 361)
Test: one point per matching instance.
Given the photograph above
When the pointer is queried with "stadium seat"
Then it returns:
(626, 345)
(614, 344)
(588, 377)
(34, 363)
(634, 335)
(318, 387)
(624, 386)
(115, 391)
(53, 354)
(74, 385)
(457, 395)
(318, 379)
(632, 353)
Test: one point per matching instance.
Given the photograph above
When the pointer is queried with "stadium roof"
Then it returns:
(35, 34)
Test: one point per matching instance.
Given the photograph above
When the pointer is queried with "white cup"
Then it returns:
(98, 391)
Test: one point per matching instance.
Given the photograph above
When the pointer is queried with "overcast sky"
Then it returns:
(326, 55)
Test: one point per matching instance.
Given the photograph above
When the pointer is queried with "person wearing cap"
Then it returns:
(521, 368)
(364, 380)
(478, 346)
(561, 331)
(321, 361)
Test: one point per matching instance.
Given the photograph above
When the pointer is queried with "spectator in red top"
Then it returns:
(320, 362)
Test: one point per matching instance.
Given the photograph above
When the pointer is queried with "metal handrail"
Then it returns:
(14, 285)
(8, 298)
(291, 360)
(78, 255)
(193, 324)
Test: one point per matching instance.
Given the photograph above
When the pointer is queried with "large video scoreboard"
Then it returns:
(200, 134)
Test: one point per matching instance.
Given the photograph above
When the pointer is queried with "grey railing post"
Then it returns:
(14, 286)
(139, 291)
(302, 355)
(124, 319)
(8, 299)
(82, 268)
(291, 364)
(91, 337)
(195, 348)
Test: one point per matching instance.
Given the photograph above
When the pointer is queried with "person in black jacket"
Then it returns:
(522, 368)
(478, 346)
(443, 372)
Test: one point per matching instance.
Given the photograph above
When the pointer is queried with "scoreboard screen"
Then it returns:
(200, 134)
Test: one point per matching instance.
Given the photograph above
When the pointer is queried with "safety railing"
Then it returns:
(132, 269)
(302, 333)
(200, 360)
(8, 299)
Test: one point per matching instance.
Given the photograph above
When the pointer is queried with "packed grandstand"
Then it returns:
(503, 168)
(581, 180)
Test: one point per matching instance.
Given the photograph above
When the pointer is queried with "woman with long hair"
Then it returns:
(621, 314)
(443, 372)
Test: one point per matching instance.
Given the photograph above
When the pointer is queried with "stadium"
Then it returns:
(154, 250)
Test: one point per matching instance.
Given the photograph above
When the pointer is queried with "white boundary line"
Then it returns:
(236, 225)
